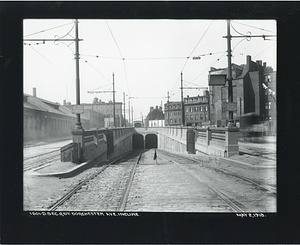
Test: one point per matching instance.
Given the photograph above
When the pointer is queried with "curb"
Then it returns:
(236, 162)
(73, 171)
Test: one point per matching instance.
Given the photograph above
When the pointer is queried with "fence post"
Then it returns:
(208, 135)
(231, 141)
(78, 138)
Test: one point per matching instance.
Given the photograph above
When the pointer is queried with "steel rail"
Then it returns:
(67, 196)
(49, 152)
(124, 198)
(222, 196)
(269, 188)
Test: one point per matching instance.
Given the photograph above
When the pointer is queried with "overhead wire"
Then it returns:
(95, 69)
(264, 50)
(120, 54)
(47, 29)
(52, 63)
(262, 29)
(191, 54)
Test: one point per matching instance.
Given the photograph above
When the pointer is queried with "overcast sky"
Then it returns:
(146, 57)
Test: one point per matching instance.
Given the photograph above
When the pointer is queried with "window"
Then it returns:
(175, 121)
(171, 120)
(201, 108)
(205, 108)
(187, 109)
(179, 113)
(179, 120)
(192, 117)
(187, 117)
(196, 117)
(268, 105)
(196, 108)
(268, 78)
(201, 117)
(191, 109)
(174, 106)
(171, 113)
(175, 113)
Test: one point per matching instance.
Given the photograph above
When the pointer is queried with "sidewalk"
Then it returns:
(249, 161)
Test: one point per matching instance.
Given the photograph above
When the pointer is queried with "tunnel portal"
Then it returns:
(151, 141)
(137, 141)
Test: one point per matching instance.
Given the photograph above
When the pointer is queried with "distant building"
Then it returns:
(107, 109)
(155, 118)
(197, 110)
(173, 113)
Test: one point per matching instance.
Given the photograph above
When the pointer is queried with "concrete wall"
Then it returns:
(214, 141)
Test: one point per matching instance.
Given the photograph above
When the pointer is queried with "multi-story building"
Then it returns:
(155, 118)
(248, 92)
(196, 111)
(173, 113)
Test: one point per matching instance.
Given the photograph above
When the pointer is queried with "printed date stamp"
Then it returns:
(251, 215)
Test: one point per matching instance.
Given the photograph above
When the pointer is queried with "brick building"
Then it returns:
(173, 112)
(196, 111)
(248, 92)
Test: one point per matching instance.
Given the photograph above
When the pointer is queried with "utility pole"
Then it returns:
(182, 104)
(124, 110)
(132, 115)
(114, 100)
(78, 123)
(168, 110)
(229, 75)
(229, 71)
(129, 112)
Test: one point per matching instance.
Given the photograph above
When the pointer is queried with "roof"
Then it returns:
(156, 114)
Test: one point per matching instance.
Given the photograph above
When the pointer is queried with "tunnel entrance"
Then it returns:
(151, 141)
(137, 141)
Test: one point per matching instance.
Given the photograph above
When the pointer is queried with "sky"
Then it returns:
(145, 56)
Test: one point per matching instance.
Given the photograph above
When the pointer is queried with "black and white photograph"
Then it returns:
(150, 115)
(149, 122)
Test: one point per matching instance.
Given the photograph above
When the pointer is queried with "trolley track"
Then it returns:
(265, 187)
(85, 181)
(234, 205)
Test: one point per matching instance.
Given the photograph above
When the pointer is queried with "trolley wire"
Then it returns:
(42, 31)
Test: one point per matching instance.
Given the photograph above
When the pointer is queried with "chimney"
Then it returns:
(34, 92)
(248, 61)
(151, 108)
(265, 64)
(95, 100)
(65, 102)
(156, 107)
